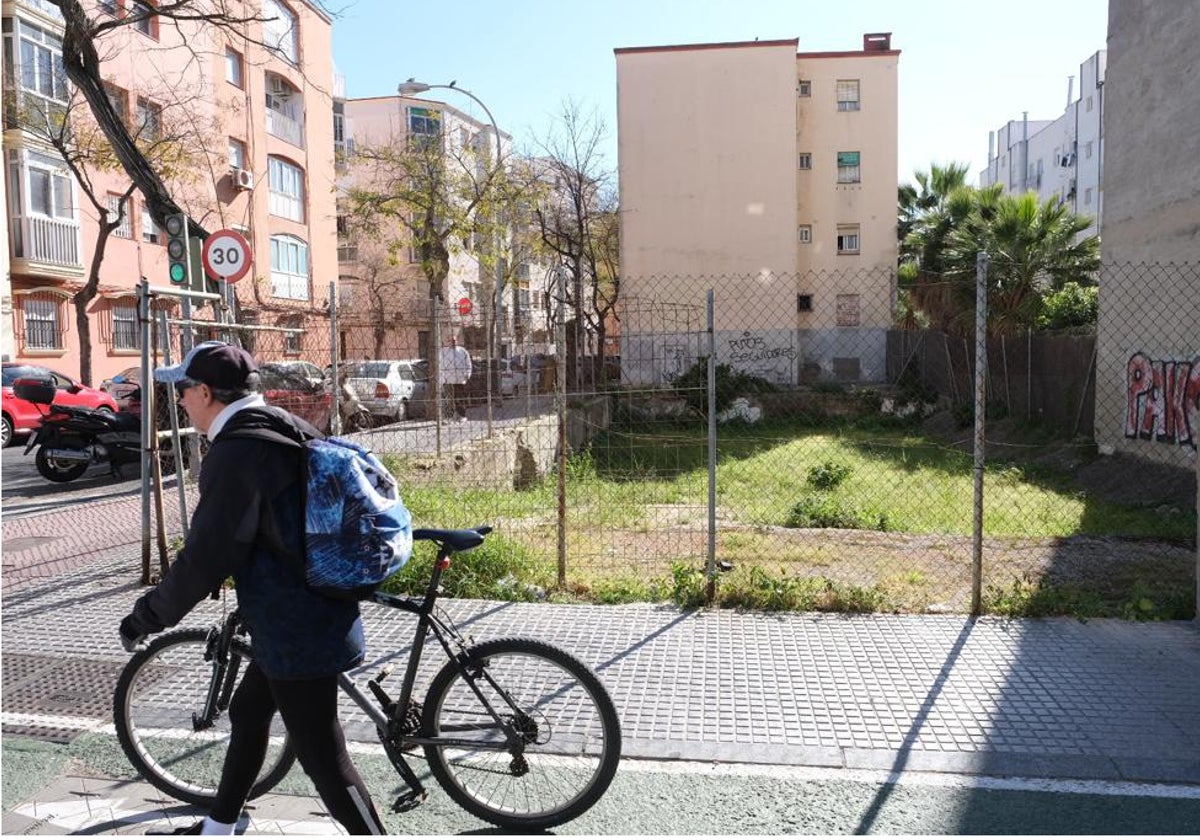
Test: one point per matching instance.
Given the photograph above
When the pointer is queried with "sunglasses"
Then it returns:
(183, 384)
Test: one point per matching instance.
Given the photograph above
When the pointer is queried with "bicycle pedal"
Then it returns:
(408, 801)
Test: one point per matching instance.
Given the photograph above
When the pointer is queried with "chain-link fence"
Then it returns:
(827, 458)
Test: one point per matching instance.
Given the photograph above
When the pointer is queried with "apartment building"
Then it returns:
(768, 175)
(1148, 335)
(385, 300)
(1061, 158)
(252, 149)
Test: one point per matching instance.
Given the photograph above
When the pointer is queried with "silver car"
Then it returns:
(394, 389)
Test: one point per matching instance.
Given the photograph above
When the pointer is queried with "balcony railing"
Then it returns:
(46, 240)
(285, 128)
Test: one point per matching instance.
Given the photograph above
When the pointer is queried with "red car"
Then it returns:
(24, 416)
(290, 389)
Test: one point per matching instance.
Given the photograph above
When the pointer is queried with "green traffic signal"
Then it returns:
(178, 256)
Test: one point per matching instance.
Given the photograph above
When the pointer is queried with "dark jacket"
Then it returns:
(249, 525)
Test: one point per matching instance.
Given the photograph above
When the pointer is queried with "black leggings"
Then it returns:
(309, 711)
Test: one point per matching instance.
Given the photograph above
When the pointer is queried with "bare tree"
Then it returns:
(578, 222)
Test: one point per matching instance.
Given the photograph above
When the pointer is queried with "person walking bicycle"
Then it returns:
(249, 525)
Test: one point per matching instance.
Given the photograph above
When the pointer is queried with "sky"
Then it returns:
(965, 69)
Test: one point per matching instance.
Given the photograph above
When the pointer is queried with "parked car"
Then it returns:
(122, 386)
(392, 389)
(308, 370)
(290, 389)
(512, 377)
(23, 416)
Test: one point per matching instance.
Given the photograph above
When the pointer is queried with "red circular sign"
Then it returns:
(226, 256)
(464, 306)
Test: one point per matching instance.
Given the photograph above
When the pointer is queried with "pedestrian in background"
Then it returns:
(454, 369)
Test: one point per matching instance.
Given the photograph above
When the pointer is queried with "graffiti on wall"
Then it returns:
(1162, 399)
(758, 355)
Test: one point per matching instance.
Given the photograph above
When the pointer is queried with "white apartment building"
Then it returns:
(1061, 158)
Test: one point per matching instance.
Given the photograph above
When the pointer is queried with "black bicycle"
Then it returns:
(518, 732)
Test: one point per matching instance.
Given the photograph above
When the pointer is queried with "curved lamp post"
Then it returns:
(411, 88)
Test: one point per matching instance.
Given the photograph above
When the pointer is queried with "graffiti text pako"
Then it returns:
(1162, 399)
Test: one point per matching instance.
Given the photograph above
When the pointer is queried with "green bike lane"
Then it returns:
(86, 787)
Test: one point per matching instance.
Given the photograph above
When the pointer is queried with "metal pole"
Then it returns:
(436, 370)
(335, 420)
(489, 364)
(711, 565)
(560, 405)
(176, 441)
(160, 530)
(981, 264)
(146, 377)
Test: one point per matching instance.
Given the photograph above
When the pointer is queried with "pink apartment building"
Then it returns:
(259, 138)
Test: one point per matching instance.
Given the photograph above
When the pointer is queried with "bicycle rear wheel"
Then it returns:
(569, 737)
(159, 695)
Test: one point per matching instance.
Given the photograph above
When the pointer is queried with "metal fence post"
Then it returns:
(981, 264)
(147, 377)
(176, 441)
(435, 370)
(335, 420)
(560, 405)
(711, 564)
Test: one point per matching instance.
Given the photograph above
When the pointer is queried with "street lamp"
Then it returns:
(411, 88)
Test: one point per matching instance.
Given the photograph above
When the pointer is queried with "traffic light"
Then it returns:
(179, 258)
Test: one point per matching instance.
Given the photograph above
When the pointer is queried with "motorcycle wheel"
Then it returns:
(359, 421)
(56, 470)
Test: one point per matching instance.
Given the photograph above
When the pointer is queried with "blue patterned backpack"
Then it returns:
(357, 531)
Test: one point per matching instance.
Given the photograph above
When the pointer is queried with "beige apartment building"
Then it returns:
(768, 175)
(254, 130)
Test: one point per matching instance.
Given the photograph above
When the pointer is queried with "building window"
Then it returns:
(42, 322)
(848, 168)
(148, 120)
(848, 312)
(125, 228)
(804, 88)
(124, 325)
(147, 23)
(41, 62)
(425, 123)
(806, 160)
(804, 234)
(119, 99)
(289, 267)
(847, 94)
(1087, 196)
(280, 32)
(151, 232)
(286, 183)
(1089, 103)
(847, 239)
(109, 6)
(51, 189)
(237, 154)
(1087, 149)
(285, 111)
(804, 303)
(291, 340)
(233, 67)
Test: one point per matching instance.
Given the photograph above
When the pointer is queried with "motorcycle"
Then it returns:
(70, 437)
(355, 417)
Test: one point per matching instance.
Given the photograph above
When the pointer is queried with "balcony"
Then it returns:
(37, 239)
(285, 128)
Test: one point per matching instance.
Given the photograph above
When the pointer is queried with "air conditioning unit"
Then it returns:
(243, 179)
(1067, 159)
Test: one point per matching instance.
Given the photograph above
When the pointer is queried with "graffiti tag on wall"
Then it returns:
(755, 354)
(1162, 399)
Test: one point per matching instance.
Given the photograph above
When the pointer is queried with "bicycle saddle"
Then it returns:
(455, 540)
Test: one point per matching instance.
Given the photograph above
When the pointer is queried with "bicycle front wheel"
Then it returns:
(535, 736)
(157, 709)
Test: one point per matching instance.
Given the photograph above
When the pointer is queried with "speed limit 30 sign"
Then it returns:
(226, 256)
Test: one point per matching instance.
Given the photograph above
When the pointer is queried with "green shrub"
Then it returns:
(828, 475)
(1072, 307)
(821, 510)
(501, 569)
(692, 386)
(689, 586)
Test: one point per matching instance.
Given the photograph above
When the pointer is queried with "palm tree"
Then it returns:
(1033, 248)
(929, 194)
